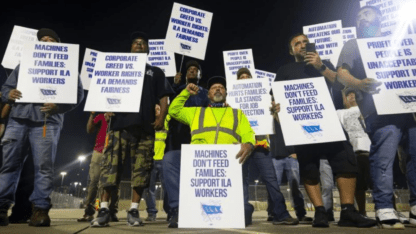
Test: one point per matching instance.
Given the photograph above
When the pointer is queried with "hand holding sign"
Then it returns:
(369, 85)
(193, 89)
(14, 94)
(49, 108)
(177, 78)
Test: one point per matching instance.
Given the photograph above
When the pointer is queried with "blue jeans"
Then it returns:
(290, 166)
(150, 196)
(19, 135)
(385, 132)
(327, 185)
(263, 161)
(171, 171)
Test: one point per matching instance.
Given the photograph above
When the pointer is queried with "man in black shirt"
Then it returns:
(134, 134)
(340, 154)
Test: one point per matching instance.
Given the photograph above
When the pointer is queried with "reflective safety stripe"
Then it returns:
(232, 132)
(160, 139)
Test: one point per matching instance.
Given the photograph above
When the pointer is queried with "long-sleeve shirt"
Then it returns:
(31, 111)
(187, 116)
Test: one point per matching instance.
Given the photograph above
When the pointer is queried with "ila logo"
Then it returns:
(408, 100)
(254, 123)
(47, 93)
(312, 130)
(185, 47)
(113, 102)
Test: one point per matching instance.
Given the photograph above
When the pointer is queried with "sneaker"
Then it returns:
(412, 217)
(86, 218)
(403, 219)
(270, 218)
(40, 218)
(103, 218)
(151, 217)
(133, 218)
(320, 219)
(4, 219)
(305, 220)
(89, 210)
(173, 221)
(351, 218)
(387, 219)
(287, 221)
(113, 217)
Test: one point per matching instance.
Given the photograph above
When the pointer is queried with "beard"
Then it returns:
(218, 98)
(368, 30)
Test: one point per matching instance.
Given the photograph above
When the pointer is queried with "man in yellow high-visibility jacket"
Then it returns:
(215, 124)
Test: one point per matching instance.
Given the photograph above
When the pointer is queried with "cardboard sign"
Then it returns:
(236, 59)
(90, 58)
(211, 188)
(397, 15)
(188, 31)
(20, 35)
(253, 98)
(307, 113)
(161, 58)
(393, 62)
(327, 38)
(48, 73)
(117, 83)
(348, 34)
(264, 74)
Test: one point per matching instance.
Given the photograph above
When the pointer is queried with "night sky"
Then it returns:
(264, 26)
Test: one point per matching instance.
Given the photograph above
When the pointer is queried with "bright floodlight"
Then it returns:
(63, 173)
(256, 181)
(76, 183)
(81, 158)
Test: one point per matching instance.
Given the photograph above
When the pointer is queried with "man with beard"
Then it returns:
(339, 154)
(227, 133)
(385, 131)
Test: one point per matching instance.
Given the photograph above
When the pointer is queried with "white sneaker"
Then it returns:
(412, 215)
(403, 219)
(387, 219)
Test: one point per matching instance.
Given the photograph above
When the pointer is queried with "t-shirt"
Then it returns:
(350, 59)
(277, 143)
(350, 120)
(298, 70)
(155, 87)
(100, 140)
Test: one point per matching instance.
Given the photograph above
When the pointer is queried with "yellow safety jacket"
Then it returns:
(160, 138)
(212, 125)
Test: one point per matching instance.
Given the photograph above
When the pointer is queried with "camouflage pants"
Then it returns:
(122, 144)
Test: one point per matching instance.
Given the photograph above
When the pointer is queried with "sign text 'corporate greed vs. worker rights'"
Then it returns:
(117, 83)
(188, 31)
(253, 98)
(48, 73)
(307, 113)
(211, 187)
(392, 62)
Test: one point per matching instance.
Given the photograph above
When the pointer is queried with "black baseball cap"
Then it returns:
(138, 34)
(217, 80)
(47, 32)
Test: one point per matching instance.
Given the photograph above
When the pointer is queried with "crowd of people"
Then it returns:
(153, 137)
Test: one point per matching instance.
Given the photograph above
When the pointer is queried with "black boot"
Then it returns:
(4, 220)
(40, 218)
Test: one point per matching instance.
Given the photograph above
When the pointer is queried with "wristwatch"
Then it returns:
(323, 68)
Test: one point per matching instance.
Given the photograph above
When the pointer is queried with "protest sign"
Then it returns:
(161, 58)
(307, 113)
(348, 34)
(117, 83)
(264, 74)
(188, 31)
(396, 15)
(90, 58)
(327, 38)
(253, 98)
(236, 59)
(48, 73)
(211, 188)
(19, 36)
(392, 62)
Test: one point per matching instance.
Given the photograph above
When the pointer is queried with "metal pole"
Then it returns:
(180, 68)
